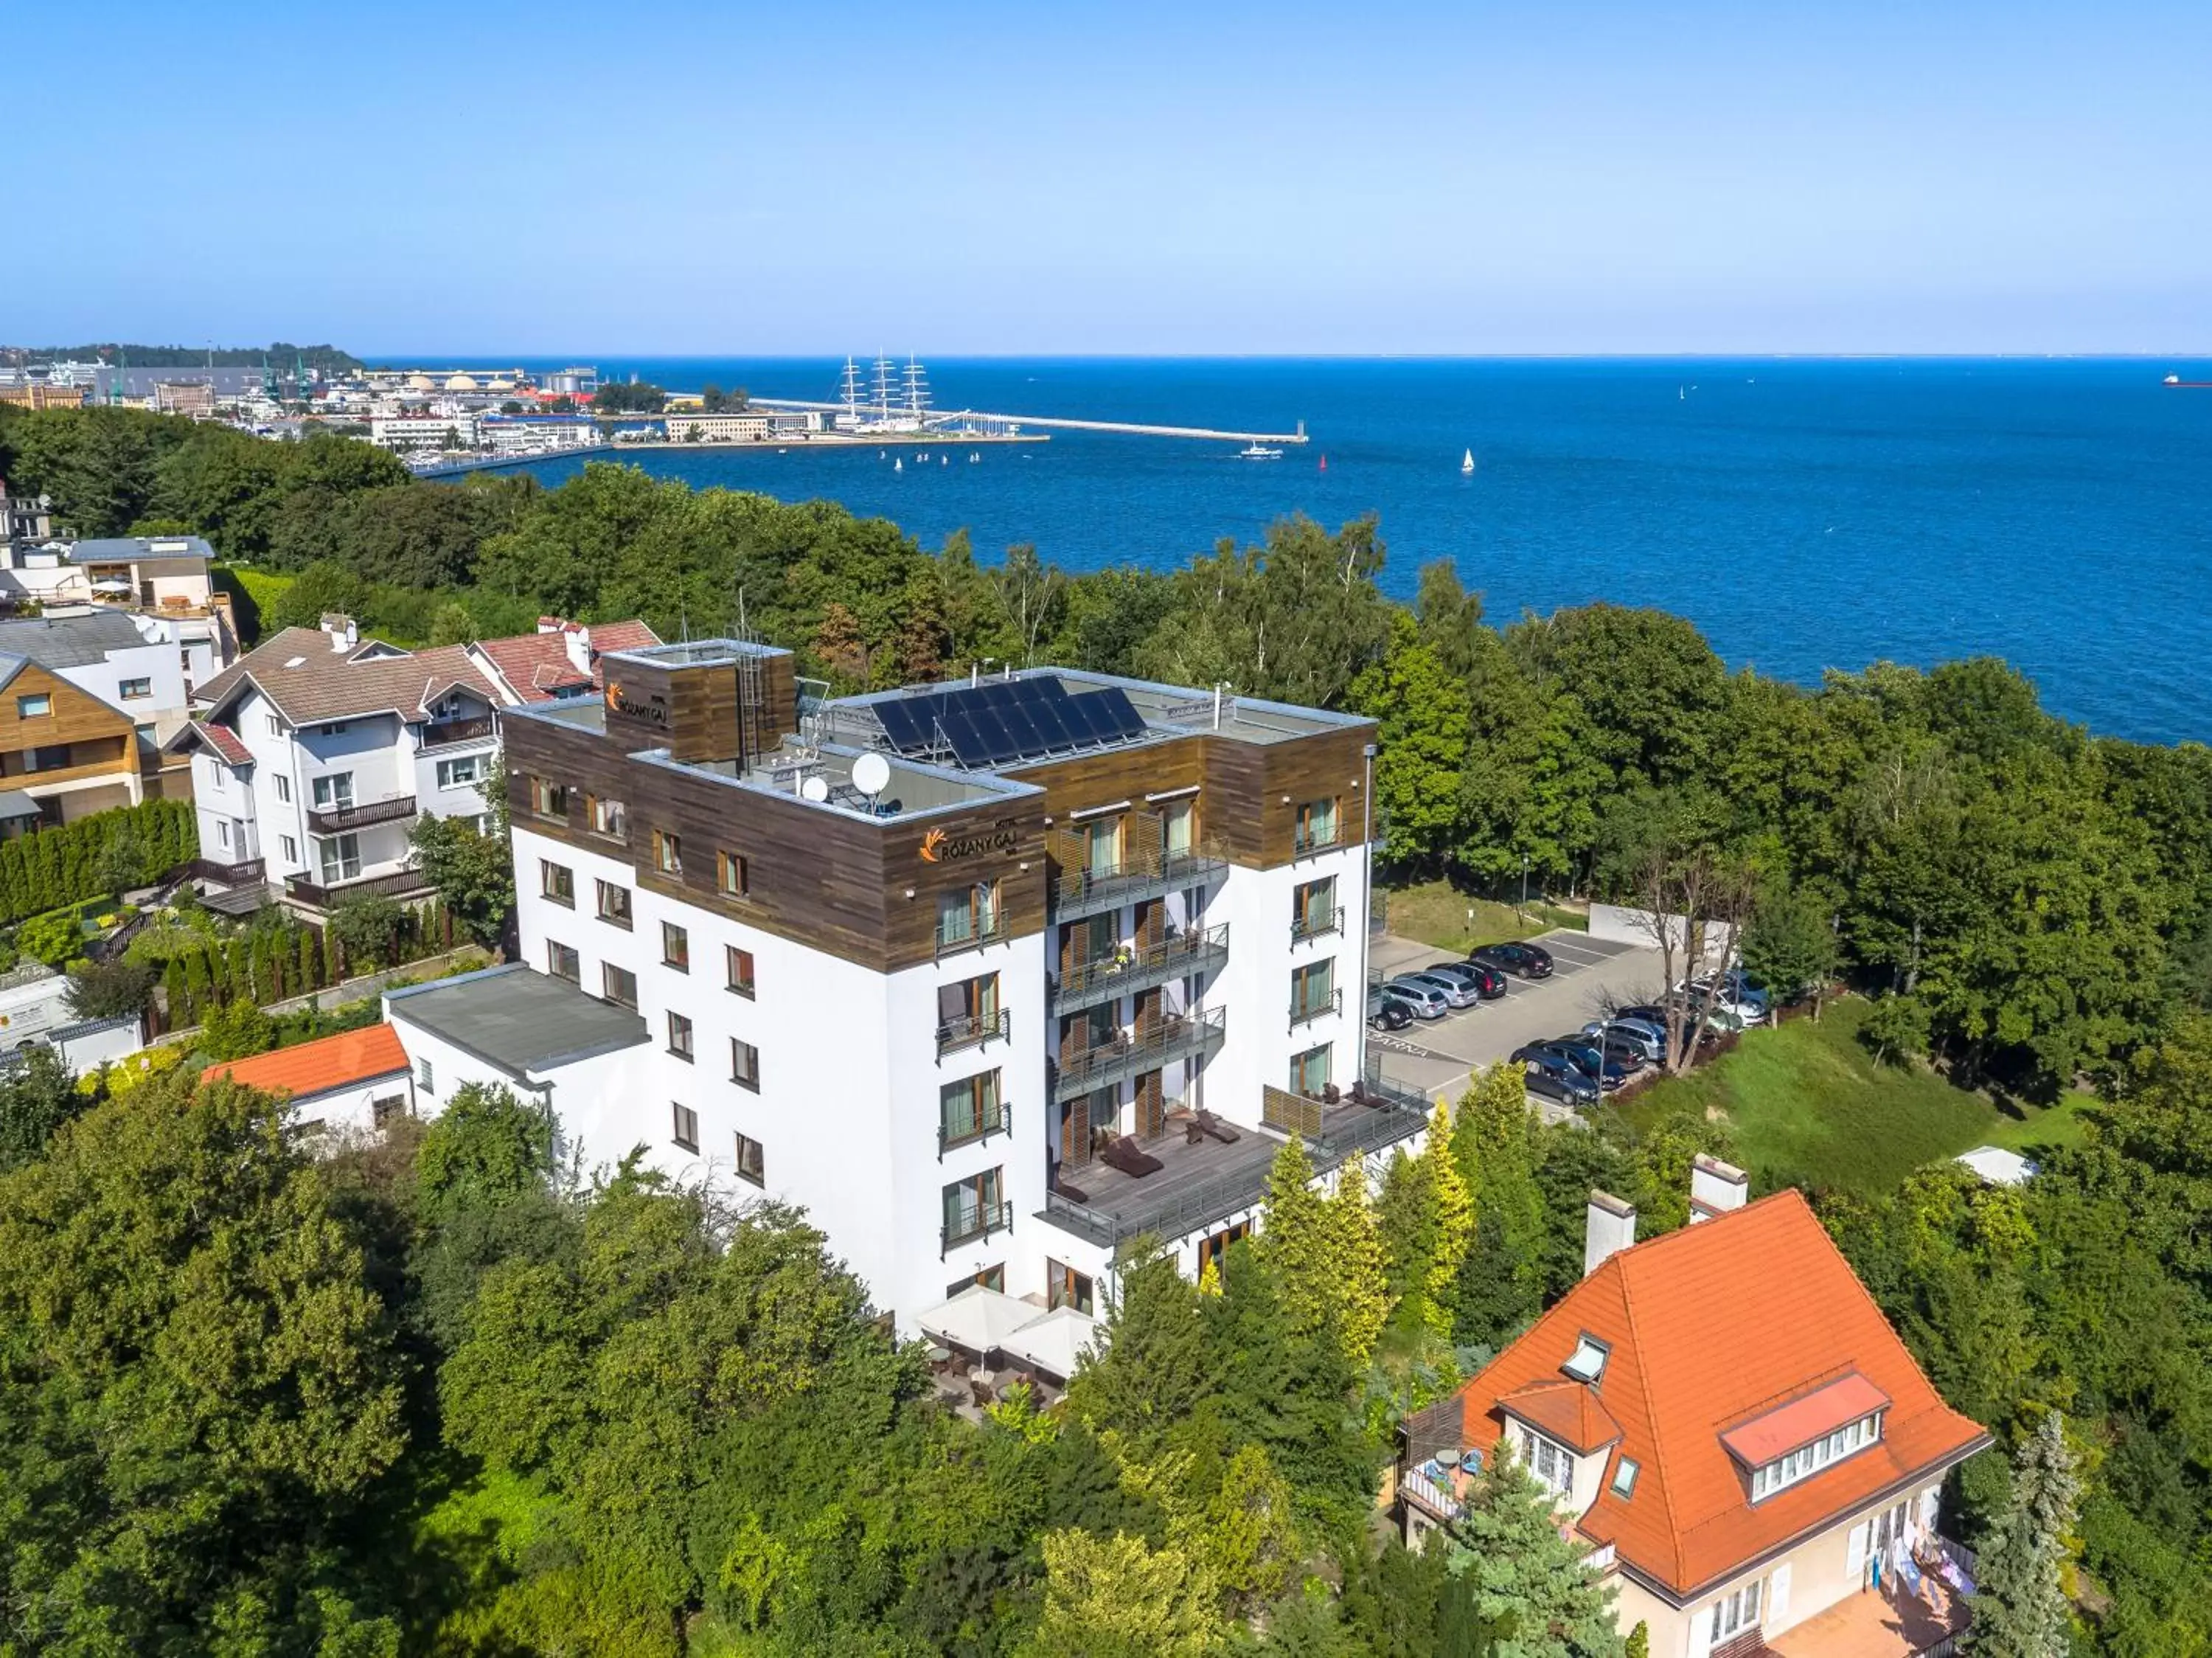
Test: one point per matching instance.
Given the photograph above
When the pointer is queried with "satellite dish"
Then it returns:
(815, 789)
(872, 774)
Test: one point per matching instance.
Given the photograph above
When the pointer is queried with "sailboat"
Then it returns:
(898, 466)
(1467, 464)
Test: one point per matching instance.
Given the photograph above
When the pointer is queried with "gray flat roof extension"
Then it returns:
(522, 1021)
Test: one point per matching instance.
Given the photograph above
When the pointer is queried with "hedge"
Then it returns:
(49, 868)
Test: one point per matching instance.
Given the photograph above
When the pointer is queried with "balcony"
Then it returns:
(399, 884)
(973, 1031)
(444, 734)
(1179, 955)
(339, 818)
(1143, 873)
(1317, 923)
(1179, 1036)
(1317, 838)
(975, 938)
(950, 1136)
(969, 1228)
(248, 872)
(1305, 1013)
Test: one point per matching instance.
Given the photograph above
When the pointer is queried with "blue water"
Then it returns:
(1806, 515)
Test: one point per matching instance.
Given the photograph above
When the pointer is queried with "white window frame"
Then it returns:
(1807, 1460)
(450, 775)
(327, 791)
(337, 858)
(1549, 1463)
(283, 790)
(124, 693)
(1734, 1613)
(291, 848)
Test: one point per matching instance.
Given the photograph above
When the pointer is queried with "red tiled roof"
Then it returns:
(537, 665)
(1777, 1432)
(221, 738)
(1567, 1412)
(1710, 1328)
(322, 1066)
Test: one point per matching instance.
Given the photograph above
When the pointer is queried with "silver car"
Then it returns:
(1460, 977)
(1635, 1033)
(1427, 1000)
(1458, 993)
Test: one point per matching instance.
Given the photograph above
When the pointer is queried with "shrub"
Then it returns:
(110, 990)
(52, 938)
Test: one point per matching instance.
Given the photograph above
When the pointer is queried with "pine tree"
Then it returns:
(1524, 1589)
(1355, 1253)
(2021, 1609)
(1639, 1641)
(197, 988)
(1500, 1282)
(238, 971)
(1294, 1240)
(1452, 1227)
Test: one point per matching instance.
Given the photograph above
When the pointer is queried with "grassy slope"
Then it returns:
(1435, 913)
(1808, 1106)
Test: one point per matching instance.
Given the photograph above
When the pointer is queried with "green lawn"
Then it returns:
(1808, 1106)
(1436, 913)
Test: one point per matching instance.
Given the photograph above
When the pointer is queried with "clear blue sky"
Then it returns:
(820, 176)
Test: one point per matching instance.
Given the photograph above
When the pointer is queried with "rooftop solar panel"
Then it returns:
(1008, 720)
(1114, 712)
(900, 718)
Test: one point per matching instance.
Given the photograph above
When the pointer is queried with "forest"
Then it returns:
(426, 1397)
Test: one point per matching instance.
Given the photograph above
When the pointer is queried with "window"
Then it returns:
(284, 790)
(752, 1161)
(1624, 1477)
(970, 916)
(1310, 1071)
(1551, 1465)
(276, 726)
(1587, 1362)
(132, 691)
(1313, 908)
(556, 882)
(614, 903)
(1101, 846)
(423, 1075)
(291, 848)
(1809, 1459)
(608, 817)
(968, 1110)
(1214, 1251)
(1313, 991)
(745, 1065)
(620, 984)
(675, 947)
(466, 772)
(382, 1111)
(1734, 1613)
(967, 1013)
(549, 799)
(975, 1208)
(1066, 1287)
(223, 834)
(335, 791)
(685, 1128)
(335, 728)
(991, 1277)
(1315, 826)
(679, 1037)
(52, 757)
(732, 878)
(667, 853)
(339, 857)
(1178, 819)
(739, 965)
(562, 962)
(35, 707)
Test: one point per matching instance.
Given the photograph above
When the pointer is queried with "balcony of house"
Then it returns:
(1140, 873)
(246, 872)
(397, 884)
(972, 1030)
(1127, 1053)
(1305, 1010)
(972, 1224)
(1132, 968)
(1316, 923)
(1891, 1622)
(1202, 1170)
(49, 764)
(340, 816)
(448, 733)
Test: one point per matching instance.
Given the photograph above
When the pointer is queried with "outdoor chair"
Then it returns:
(1126, 1155)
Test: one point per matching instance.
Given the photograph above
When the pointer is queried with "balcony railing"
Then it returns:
(336, 820)
(1143, 873)
(1429, 1492)
(250, 872)
(986, 1219)
(1316, 838)
(1179, 955)
(1305, 1013)
(400, 883)
(973, 1132)
(442, 734)
(975, 938)
(1177, 1036)
(1317, 923)
(972, 1030)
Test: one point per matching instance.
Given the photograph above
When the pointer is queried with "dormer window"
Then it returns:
(1795, 1440)
(1587, 1363)
(1809, 1459)
(1552, 1466)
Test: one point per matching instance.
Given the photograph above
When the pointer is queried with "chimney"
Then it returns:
(344, 635)
(1715, 1188)
(1611, 1227)
(577, 642)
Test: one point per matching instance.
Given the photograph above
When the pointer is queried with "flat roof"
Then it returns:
(518, 1019)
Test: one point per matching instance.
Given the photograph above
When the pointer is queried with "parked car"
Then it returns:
(1715, 995)
(1694, 1012)
(1551, 1075)
(1386, 1012)
(1648, 1040)
(1522, 960)
(1589, 1057)
(1427, 1001)
(1491, 982)
(1454, 993)
(1458, 972)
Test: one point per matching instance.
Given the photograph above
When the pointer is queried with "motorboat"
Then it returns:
(1257, 451)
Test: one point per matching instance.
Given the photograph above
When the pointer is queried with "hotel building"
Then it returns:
(992, 978)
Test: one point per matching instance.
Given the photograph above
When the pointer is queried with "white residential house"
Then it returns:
(155, 579)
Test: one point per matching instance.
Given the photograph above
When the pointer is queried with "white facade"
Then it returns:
(436, 431)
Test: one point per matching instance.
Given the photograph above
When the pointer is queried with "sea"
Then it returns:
(1808, 514)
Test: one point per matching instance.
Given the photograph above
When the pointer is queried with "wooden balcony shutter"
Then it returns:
(1075, 1133)
(1147, 842)
(1151, 923)
(1066, 950)
(1068, 855)
(1151, 1106)
(1071, 1030)
(1148, 1010)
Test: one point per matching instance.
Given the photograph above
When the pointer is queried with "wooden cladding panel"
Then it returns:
(1327, 766)
(819, 878)
(77, 717)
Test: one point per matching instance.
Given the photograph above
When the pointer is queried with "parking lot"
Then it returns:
(1589, 976)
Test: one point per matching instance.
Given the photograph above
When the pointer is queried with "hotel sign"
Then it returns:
(938, 847)
(652, 712)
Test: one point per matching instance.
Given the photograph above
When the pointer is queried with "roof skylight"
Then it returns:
(1587, 1363)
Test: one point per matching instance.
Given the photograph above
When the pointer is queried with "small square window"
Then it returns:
(739, 964)
(284, 789)
(608, 817)
(562, 962)
(133, 691)
(614, 903)
(34, 708)
(745, 1065)
(752, 1161)
(620, 984)
(1624, 1477)
(549, 799)
(675, 947)
(556, 882)
(291, 848)
(679, 1037)
(685, 1128)
(732, 876)
(423, 1075)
